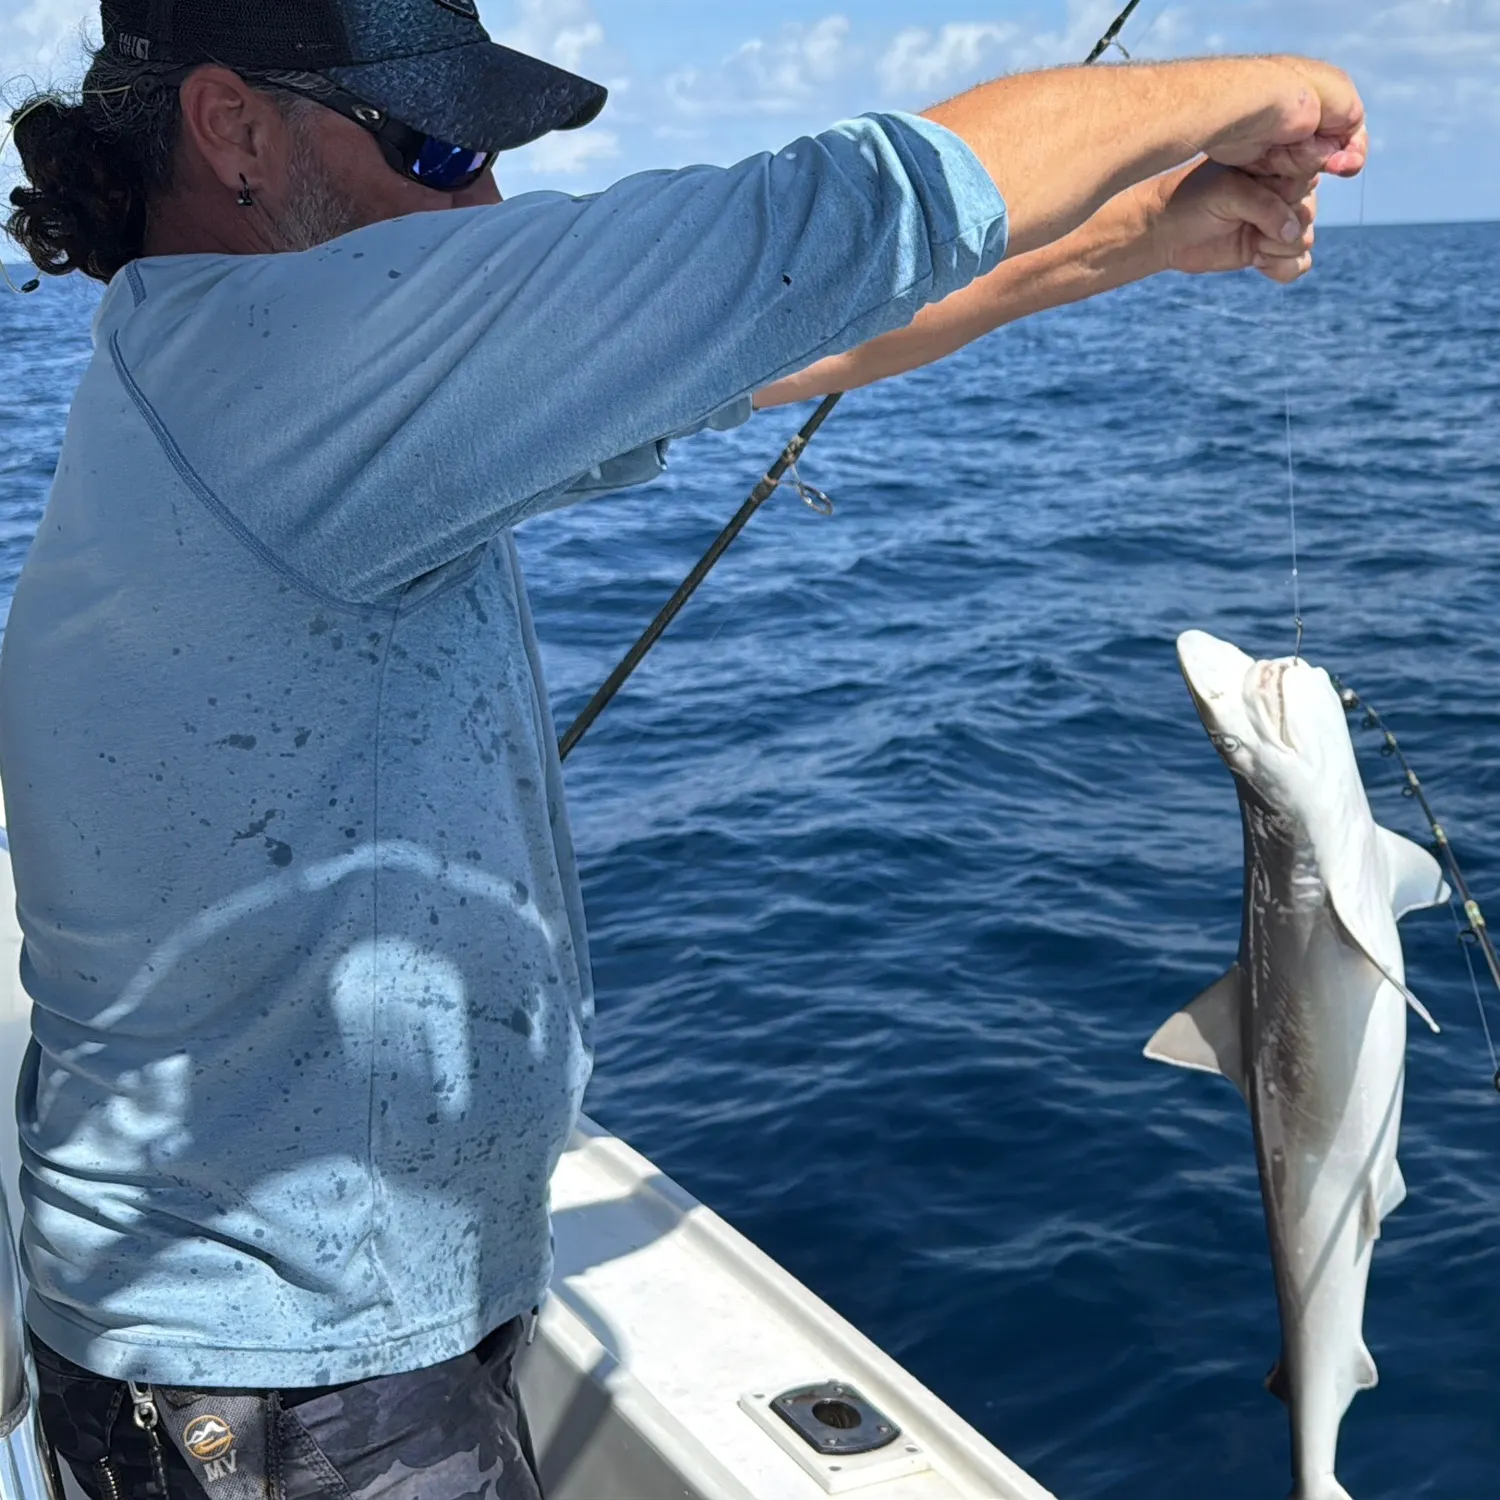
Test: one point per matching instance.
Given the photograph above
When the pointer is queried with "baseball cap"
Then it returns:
(429, 63)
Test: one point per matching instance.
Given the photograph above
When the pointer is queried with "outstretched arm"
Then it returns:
(1061, 144)
(1196, 219)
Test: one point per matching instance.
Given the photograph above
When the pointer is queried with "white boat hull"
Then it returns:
(661, 1322)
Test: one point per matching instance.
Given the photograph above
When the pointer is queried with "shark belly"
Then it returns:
(1325, 1070)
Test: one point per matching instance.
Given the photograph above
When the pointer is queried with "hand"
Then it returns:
(1212, 218)
(1314, 121)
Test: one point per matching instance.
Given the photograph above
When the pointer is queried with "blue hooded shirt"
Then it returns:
(302, 921)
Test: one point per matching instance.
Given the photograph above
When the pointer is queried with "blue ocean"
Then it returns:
(907, 838)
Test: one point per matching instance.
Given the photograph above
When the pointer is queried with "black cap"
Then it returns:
(429, 63)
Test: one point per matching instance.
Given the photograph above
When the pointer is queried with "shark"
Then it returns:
(1309, 1024)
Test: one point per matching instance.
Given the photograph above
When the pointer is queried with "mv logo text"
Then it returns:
(210, 1439)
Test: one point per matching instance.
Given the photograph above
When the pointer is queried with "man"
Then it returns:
(303, 926)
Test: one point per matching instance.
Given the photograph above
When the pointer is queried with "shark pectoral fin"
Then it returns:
(1352, 937)
(1366, 1376)
(1206, 1035)
(1416, 877)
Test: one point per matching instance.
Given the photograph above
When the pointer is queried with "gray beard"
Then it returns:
(316, 210)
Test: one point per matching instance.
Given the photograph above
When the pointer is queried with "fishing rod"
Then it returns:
(1477, 933)
(1111, 38)
(689, 586)
(762, 492)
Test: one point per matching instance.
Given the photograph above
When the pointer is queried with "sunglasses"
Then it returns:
(435, 163)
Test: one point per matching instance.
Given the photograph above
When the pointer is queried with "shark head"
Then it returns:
(1279, 725)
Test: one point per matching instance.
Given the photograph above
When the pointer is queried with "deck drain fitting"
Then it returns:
(835, 1420)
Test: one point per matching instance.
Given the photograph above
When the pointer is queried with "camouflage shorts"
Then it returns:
(454, 1432)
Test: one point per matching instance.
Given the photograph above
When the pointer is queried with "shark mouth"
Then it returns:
(1281, 668)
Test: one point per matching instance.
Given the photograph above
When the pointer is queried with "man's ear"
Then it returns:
(234, 128)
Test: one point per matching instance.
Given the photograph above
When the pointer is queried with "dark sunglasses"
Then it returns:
(435, 163)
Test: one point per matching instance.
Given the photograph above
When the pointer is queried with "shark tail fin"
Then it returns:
(1207, 1034)
(1416, 877)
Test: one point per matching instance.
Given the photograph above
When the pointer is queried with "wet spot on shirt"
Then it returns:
(257, 828)
(319, 626)
(239, 741)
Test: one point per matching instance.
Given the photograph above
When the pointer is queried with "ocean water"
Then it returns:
(907, 838)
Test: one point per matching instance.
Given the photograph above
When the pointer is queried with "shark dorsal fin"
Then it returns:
(1416, 877)
(1352, 936)
(1208, 1034)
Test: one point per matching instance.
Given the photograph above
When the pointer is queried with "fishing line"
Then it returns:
(1466, 942)
(1476, 934)
(1140, 41)
(1291, 498)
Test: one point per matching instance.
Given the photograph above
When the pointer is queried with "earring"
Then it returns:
(245, 200)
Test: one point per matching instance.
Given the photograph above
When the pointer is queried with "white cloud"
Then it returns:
(46, 44)
(563, 154)
(548, 28)
(921, 60)
(782, 75)
(574, 43)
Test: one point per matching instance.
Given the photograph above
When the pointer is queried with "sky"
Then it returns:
(701, 80)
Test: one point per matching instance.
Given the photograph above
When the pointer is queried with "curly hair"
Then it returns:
(92, 167)
(95, 163)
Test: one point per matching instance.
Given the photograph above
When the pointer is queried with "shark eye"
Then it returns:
(1227, 743)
